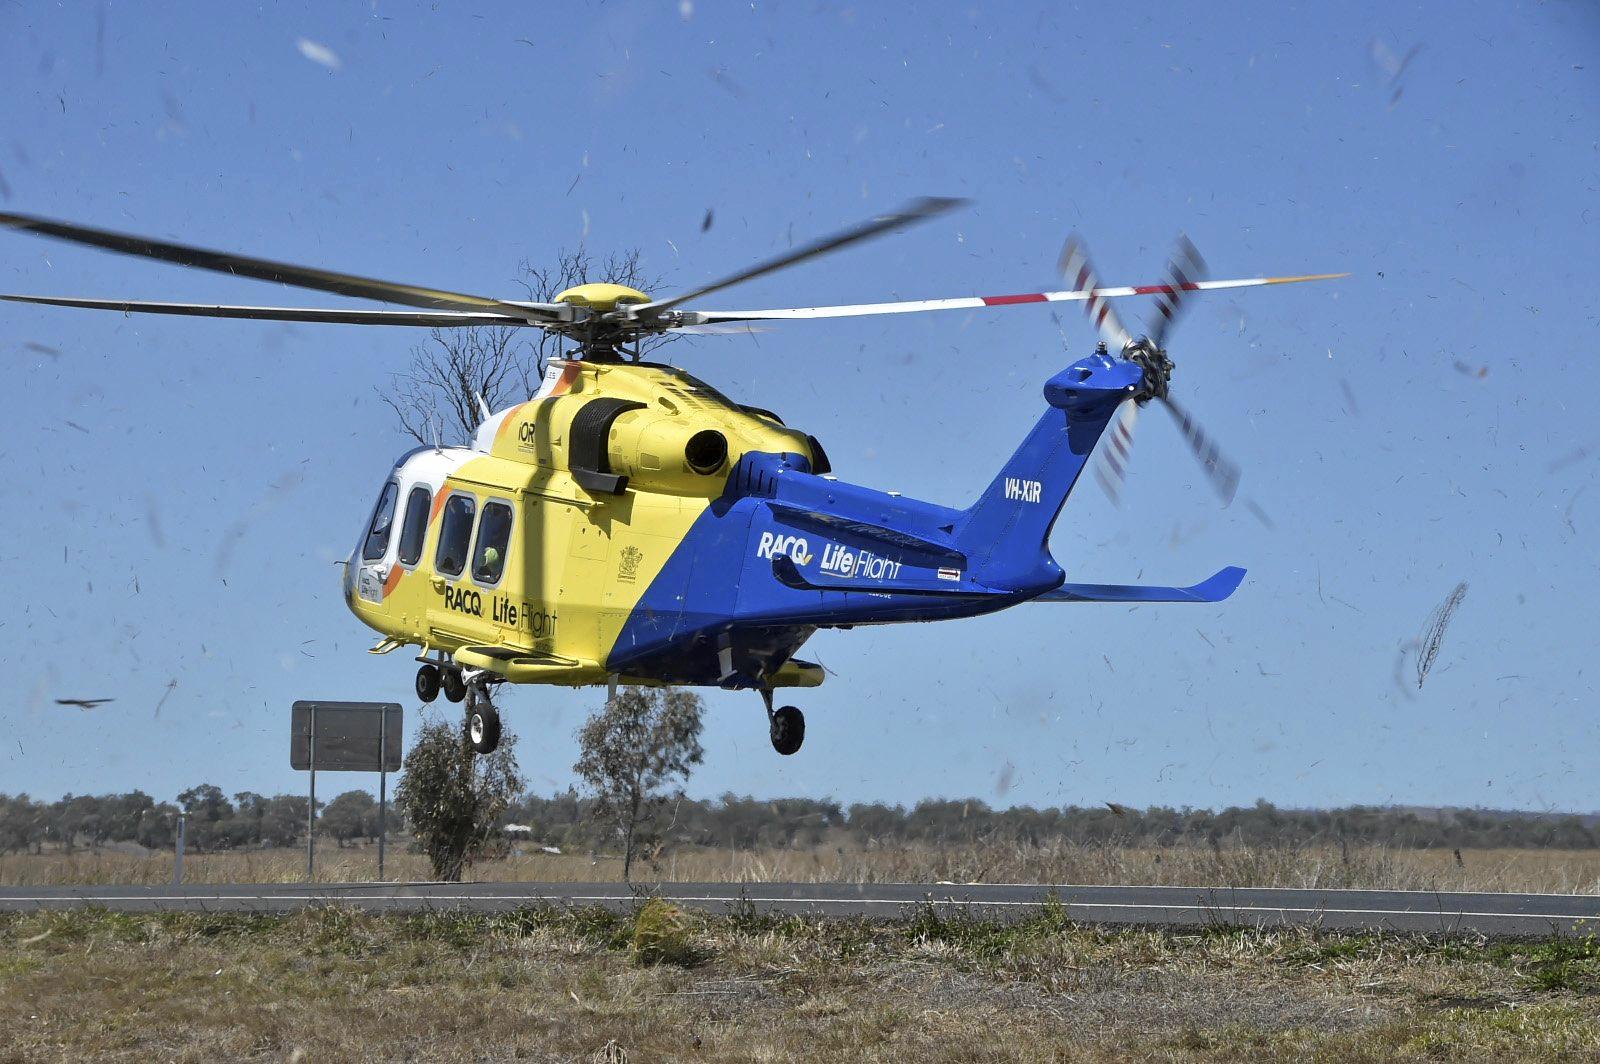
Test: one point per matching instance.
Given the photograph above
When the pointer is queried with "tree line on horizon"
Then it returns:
(569, 821)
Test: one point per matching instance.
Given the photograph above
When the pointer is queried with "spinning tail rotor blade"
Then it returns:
(342, 284)
(1079, 273)
(1184, 270)
(1223, 474)
(1111, 461)
(919, 210)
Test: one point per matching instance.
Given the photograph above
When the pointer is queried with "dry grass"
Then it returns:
(552, 985)
(1546, 871)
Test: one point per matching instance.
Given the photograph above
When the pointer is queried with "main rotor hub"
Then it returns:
(602, 297)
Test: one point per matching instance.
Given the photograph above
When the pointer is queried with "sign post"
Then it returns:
(345, 737)
(383, 789)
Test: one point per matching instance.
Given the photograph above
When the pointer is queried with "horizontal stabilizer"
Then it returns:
(1213, 589)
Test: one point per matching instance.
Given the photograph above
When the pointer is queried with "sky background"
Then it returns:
(181, 488)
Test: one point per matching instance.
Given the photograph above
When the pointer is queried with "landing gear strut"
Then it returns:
(483, 720)
(787, 726)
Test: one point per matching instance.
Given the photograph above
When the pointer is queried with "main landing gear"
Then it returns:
(787, 726)
(483, 720)
(482, 723)
(432, 678)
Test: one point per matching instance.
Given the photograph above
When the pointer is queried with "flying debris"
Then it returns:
(1432, 637)
(320, 54)
(172, 685)
(1391, 66)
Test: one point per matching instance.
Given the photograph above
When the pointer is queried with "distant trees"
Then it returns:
(572, 820)
(454, 800)
(642, 742)
(352, 815)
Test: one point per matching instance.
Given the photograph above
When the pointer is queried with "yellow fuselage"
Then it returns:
(581, 552)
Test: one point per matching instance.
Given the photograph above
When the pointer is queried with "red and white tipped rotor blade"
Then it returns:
(1116, 447)
(1185, 269)
(1223, 474)
(1077, 270)
(914, 306)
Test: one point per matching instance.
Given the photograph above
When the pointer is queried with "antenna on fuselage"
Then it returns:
(483, 407)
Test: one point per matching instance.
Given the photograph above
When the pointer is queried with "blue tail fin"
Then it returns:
(1004, 534)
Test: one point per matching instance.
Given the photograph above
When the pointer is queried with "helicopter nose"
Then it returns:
(1092, 383)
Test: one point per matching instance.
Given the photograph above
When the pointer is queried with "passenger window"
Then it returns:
(494, 535)
(382, 521)
(455, 534)
(415, 529)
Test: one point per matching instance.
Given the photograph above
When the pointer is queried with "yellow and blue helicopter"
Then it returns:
(631, 524)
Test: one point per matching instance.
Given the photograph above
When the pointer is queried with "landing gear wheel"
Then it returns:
(788, 730)
(455, 688)
(483, 724)
(428, 682)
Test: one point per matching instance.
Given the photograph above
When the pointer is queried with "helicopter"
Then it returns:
(630, 524)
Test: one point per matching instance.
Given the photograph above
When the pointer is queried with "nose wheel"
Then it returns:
(786, 725)
(483, 721)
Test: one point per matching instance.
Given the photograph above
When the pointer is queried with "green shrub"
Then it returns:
(662, 934)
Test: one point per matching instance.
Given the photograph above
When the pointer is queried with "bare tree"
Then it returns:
(644, 740)
(435, 398)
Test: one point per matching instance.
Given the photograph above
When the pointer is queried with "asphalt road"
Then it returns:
(1490, 914)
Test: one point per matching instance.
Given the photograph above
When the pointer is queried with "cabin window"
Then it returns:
(382, 520)
(455, 534)
(415, 528)
(494, 536)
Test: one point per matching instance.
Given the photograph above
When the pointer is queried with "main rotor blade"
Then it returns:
(912, 306)
(1223, 474)
(1079, 272)
(1185, 266)
(442, 319)
(916, 211)
(343, 284)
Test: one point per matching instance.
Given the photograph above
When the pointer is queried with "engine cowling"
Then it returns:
(660, 451)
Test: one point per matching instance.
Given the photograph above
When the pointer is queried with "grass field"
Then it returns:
(1550, 871)
(547, 984)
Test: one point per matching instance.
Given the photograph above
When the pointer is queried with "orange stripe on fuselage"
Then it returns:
(393, 581)
(505, 423)
(569, 375)
(439, 501)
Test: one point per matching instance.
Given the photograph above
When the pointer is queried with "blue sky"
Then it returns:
(180, 489)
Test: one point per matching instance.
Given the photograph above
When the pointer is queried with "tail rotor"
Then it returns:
(1186, 273)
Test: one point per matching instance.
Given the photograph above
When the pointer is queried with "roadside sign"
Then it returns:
(348, 736)
(345, 737)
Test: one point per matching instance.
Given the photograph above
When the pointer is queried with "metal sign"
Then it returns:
(348, 736)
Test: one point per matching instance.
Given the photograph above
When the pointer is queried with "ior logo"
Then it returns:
(772, 544)
(1022, 490)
